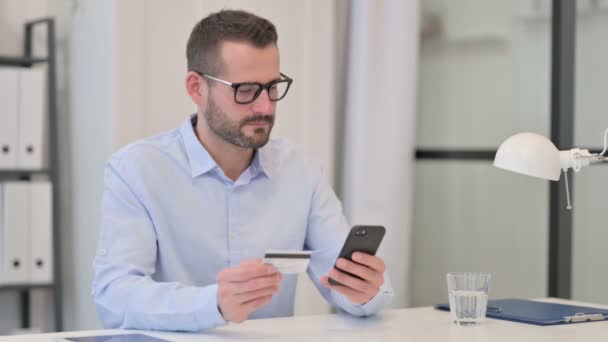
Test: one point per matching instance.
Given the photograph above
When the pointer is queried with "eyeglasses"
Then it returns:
(247, 92)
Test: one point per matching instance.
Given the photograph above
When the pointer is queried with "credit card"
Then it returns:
(288, 262)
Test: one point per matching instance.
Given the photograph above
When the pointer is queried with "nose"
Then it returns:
(263, 105)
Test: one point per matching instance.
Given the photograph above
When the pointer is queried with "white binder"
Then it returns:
(9, 85)
(14, 235)
(41, 218)
(32, 149)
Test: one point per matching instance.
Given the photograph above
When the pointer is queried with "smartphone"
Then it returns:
(361, 238)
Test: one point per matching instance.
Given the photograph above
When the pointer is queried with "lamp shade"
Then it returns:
(529, 154)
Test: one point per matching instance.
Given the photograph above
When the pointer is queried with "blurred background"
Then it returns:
(403, 101)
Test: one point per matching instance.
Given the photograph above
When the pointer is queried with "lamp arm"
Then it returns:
(605, 143)
(569, 204)
(577, 158)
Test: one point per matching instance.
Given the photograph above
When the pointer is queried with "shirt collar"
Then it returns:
(201, 161)
(263, 162)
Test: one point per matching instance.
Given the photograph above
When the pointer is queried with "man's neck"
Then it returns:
(232, 159)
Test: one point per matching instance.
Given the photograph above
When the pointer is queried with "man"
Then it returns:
(187, 215)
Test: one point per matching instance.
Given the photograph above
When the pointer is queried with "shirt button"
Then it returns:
(103, 252)
(232, 236)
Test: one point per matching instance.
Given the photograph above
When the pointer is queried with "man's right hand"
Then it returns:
(245, 288)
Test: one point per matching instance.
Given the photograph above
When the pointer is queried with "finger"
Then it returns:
(250, 262)
(244, 273)
(260, 293)
(353, 295)
(325, 282)
(352, 282)
(370, 261)
(254, 284)
(359, 270)
(256, 303)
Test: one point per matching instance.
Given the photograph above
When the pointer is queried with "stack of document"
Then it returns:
(23, 118)
(26, 246)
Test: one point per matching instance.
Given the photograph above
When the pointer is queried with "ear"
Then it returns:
(196, 88)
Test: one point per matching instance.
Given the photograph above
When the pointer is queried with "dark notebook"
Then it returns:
(539, 313)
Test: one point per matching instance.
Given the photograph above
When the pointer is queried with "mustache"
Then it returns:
(257, 118)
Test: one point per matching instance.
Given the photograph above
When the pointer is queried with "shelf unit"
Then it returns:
(28, 60)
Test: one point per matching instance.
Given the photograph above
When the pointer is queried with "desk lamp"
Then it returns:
(534, 155)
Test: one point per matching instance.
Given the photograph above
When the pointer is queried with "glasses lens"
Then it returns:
(278, 90)
(247, 92)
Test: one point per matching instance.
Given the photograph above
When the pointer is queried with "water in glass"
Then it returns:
(468, 307)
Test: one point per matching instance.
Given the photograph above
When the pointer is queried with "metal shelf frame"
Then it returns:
(28, 60)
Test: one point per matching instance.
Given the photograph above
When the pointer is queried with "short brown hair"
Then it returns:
(202, 50)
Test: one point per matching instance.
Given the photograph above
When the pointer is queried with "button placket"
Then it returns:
(232, 225)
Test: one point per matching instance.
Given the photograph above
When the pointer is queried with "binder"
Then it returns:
(539, 313)
(9, 84)
(41, 218)
(14, 233)
(32, 131)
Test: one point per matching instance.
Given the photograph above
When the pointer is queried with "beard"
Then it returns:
(232, 132)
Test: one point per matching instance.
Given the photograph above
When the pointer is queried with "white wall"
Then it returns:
(480, 83)
(379, 131)
(93, 118)
(590, 230)
(150, 66)
(470, 216)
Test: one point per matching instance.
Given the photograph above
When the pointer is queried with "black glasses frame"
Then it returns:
(267, 86)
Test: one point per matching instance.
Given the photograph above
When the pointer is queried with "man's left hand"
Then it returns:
(368, 267)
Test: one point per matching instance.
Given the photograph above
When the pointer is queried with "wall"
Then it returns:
(484, 75)
(590, 231)
(379, 128)
(479, 83)
(150, 67)
(93, 118)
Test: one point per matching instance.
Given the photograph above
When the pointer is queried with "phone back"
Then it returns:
(364, 239)
(361, 238)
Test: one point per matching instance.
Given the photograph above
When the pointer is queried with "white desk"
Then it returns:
(417, 324)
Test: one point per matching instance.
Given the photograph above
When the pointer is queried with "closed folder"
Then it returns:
(540, 313)
(32, 149)
(41, 219)
(9, 84)
(14, 233)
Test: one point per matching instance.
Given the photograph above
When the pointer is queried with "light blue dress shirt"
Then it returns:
(171, 220)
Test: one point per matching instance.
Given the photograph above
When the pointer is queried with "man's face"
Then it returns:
(248, 125)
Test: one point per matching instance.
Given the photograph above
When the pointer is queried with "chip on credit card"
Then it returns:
(288, 262)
